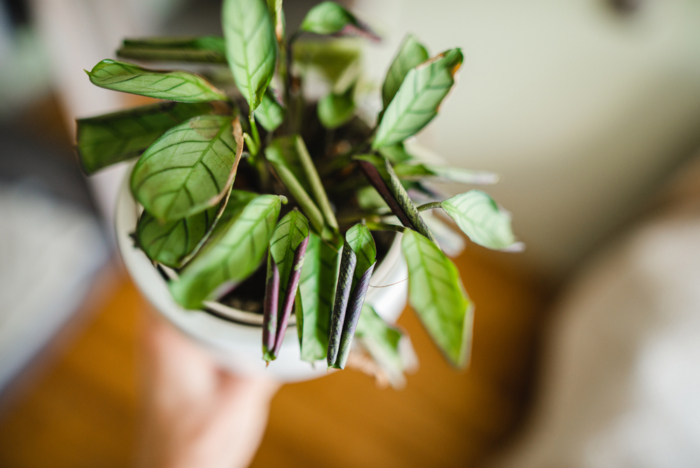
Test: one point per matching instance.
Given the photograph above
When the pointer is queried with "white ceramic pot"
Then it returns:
(233, 336)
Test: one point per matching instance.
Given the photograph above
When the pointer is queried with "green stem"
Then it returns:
(254, 133)
(429, 206)
(384, 227)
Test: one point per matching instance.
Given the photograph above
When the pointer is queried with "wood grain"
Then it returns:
(83, 411)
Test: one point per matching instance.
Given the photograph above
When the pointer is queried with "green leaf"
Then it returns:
(436, 293)
(381, 175)
(277, 13)
(336, 109)
(420, 171)
(337, 61)
(396, 153)
(173, 85)
(251, 47)
(173, 242)
(112, 138)
(234, 251)
(411, 54)
(288, 246)
(189, 169)
(270, 114)
(293, 165)
(205, 49)
(316, 294)
(482, 220)
(360, 240)
(418, 99)
(382, 341)
(331, 18)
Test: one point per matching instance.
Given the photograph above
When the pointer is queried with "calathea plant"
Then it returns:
(235, 166)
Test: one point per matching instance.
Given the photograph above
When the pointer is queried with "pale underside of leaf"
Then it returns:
(172, 85)
(482, 220)
(382, 341)
(421, 171)
(188, 169)
(438, 297)
(251, 47)
(418, 99)
(234, 252)
(411, 54)
(119, 136)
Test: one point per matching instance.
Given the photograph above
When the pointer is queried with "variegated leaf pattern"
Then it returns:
(235, 250)
(173, 85)
(289, 233)
(436, 293)
(188, 169)
(171, 243)
(418, 99)
(319, 278)
(482, 220)
(112, 138)
(411, 54)
(205, 49)
(270, 113)
(251, 47)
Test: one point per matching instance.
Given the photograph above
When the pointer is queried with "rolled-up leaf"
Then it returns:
(316, 294)
(189, 169)
(331, 18)
(172, 85)
(418, 99)
(287, 248)
(411, 54)
(112, 138)
(381, 175)
(251, 47)
(205, 49)
(234, 251)
(270, 307)
(436, 294)
(346, 311)
(482, 220)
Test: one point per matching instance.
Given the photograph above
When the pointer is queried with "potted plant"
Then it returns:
(251, 210)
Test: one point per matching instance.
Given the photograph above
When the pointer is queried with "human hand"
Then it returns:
(197, 414)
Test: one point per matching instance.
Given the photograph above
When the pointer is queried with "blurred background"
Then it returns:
(590, 112)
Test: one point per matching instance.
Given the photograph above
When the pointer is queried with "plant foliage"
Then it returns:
(308, 190)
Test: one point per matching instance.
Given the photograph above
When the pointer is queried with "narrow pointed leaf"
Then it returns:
(234, 251)
(331, 18)
(173, 85)
(418, 99)
(171, 243)
(316, 293)
(340, 304)
(436, 293)
(482, 220)
(251, 47)
(296, 170)
(287, 248)
(205, 49)
(381, 175)
(189, 169)
(270, 114)
(420, 171)
(112, 138)
(383, 342)
(336, 109)
(411, 54)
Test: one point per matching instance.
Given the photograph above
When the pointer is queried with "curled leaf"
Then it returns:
(205, 49)
(173, 85)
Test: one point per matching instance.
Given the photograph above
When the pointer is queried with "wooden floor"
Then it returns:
(82, 410)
